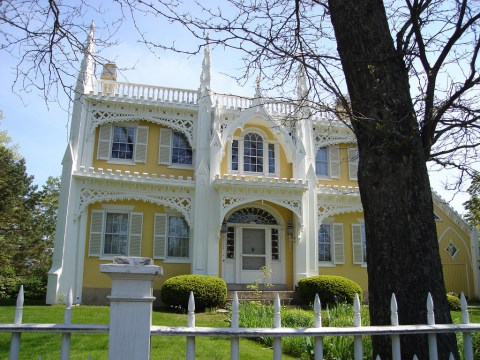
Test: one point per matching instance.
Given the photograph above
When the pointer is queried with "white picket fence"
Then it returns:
(126, 337)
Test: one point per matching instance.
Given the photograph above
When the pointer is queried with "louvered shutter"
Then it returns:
(135, 235)
(165, 148)
(104, 136)
(159, 236)
(96, 233)
(334, 157)
(353, 163)
(357, 243)
(338, 244)
(141, 142)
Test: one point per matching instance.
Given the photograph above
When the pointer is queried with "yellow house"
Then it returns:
(219, 185)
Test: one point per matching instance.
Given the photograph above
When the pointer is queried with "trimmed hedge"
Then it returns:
(330, 289)
(454, 302)
(208, 291)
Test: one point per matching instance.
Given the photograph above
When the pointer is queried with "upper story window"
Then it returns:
(253, 154)
(115, 233)
(327, 162)
(122, 143)
(353, 163)
(174, 148)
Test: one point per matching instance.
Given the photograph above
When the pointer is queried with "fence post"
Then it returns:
(235, 341)
(15, 338)
(318, 340)
(277, 323)
(191, 323)
(67, 320)
(432, 338)
(130, 307)
(396, 355)
(467, 337)
(357, 322)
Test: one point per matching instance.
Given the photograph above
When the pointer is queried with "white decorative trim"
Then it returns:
(180, 202)
(179, 119)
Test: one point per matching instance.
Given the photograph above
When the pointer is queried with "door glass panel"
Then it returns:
(253, 249)
(253, 241)
(253, 263)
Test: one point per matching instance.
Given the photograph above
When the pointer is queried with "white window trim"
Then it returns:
(266, 142)
(333, 245)
(361, 223)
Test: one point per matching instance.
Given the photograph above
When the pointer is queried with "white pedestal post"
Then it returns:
(130, 307)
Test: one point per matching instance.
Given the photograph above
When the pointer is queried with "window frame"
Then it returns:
(332, 162)
(98, 232)
(266, 154)
(106, 143)
(161, 238)
(166, 147)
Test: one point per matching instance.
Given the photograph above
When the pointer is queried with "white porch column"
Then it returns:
(130, 307)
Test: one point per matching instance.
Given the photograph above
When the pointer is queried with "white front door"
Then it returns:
(253, 254)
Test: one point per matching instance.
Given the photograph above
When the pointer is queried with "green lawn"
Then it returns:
(48, 346)
(82, 346)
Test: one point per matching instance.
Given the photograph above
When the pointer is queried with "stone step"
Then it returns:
(286, 297)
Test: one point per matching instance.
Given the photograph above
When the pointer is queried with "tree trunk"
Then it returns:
(402, 247)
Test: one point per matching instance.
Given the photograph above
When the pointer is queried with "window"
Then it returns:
(181, 150)
(353, 163)
(324, 243)
(177, 237)
(321, 162)
(327, 162)
(122, 143)
(174, 149)
(253, 155)
(359, 242)
(115, 233)
(171, 237)
(331, 244)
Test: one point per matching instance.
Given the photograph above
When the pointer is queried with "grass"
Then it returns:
(96, 345)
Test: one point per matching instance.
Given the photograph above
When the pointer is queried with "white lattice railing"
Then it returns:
(137, 301)
(147, 92)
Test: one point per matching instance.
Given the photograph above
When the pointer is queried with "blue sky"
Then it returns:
(41, 131)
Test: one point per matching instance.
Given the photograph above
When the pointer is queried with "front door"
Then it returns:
(252, 255)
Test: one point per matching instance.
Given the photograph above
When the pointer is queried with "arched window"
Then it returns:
(253, 154)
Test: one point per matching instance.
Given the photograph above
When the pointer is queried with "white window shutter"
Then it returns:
(135, 236)
(357, 243)
(334, 157)
(159, 236)
(165, 148)
(141, 142)
(96, 233)
(104, 136)
(353, 163)
(338, 244)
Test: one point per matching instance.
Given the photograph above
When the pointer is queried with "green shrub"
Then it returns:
(209, 291)
(453, 302)
(330, 289)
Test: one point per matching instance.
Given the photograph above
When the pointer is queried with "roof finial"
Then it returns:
(205, 76)
(302, 88)
(257, 100)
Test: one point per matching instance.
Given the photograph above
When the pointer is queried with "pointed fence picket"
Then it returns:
(277, 332)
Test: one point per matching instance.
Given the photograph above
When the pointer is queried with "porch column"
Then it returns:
(130, 307)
